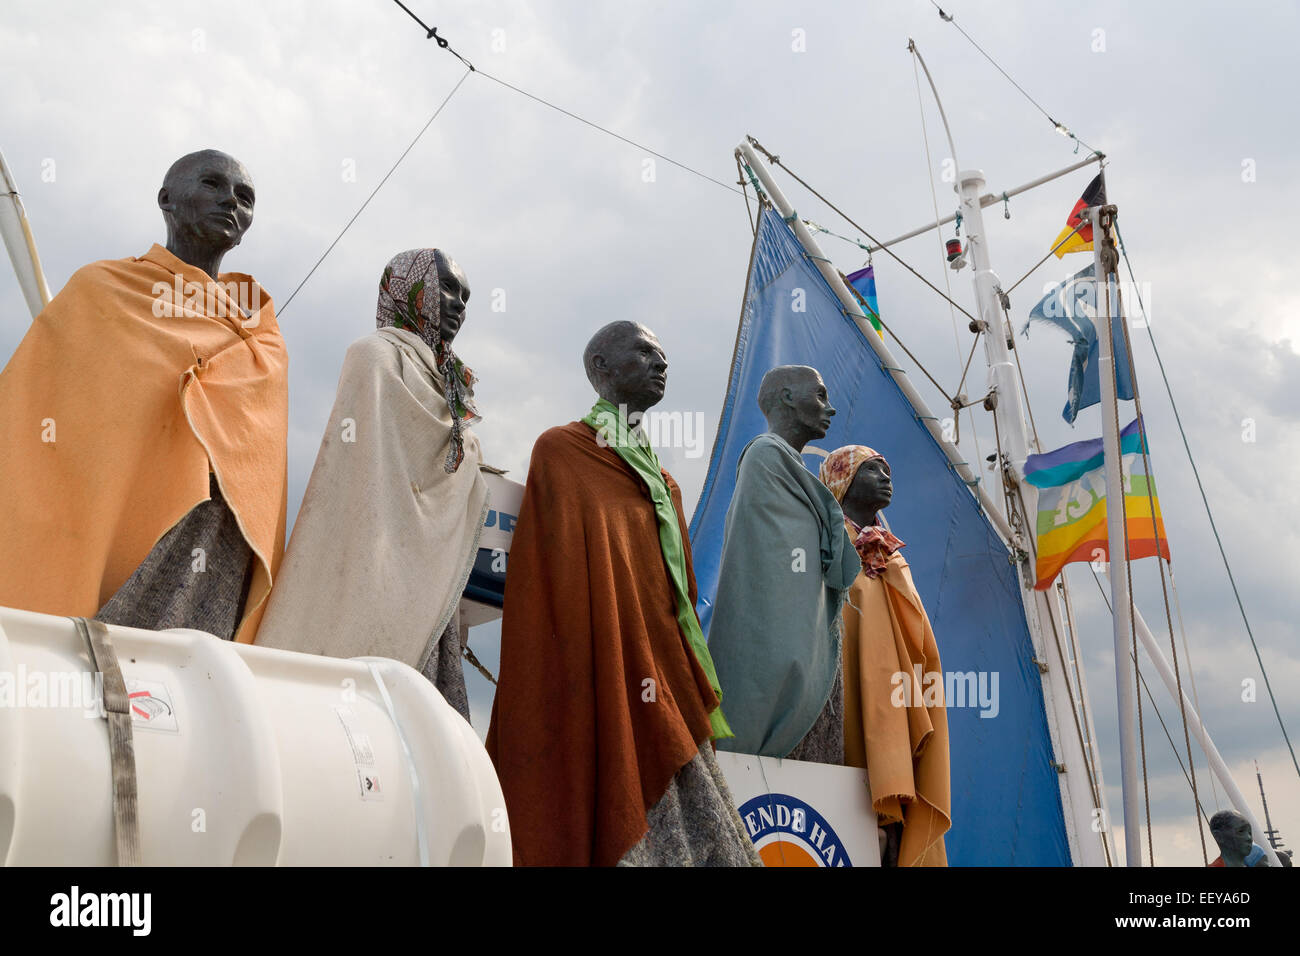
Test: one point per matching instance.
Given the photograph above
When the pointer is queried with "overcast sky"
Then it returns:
(1192, 103)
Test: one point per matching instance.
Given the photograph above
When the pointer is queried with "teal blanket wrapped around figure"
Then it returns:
(786, 565)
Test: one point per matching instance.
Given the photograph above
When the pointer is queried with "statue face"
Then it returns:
(453, 295)
(811, 405)
(1236, 837)
(872, 487)
(210, 201)
(636, 369)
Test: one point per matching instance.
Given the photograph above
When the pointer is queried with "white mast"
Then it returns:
(1121, 608)
(1087, 830)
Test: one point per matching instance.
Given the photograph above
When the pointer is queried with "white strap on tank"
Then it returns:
(121, 748)
(420, 834)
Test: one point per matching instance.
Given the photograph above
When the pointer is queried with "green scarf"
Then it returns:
(632, 446)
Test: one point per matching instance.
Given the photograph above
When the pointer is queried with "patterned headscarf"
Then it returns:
(409, 298)
(874, 544)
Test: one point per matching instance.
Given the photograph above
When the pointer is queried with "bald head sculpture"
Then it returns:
(626, 366)
(1232, 832)
(793, 399)
(207, 202)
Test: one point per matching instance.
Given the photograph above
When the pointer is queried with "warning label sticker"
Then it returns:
(369, 782)
(151, 706)
(363, 755)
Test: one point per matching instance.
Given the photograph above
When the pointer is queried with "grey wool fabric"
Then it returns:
(695, 822)
(444, 668)
(825, 742)
(196, 576)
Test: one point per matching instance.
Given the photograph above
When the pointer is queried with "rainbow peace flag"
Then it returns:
(1071, 484)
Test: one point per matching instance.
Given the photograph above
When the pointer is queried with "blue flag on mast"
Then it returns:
(1071, 306)
(1006, 793)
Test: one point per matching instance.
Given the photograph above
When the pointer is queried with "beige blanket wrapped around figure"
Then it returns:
(386, 536)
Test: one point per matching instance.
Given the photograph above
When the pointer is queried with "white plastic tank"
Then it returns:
(244, 755)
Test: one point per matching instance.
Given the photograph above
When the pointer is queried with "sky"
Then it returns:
(561, 228)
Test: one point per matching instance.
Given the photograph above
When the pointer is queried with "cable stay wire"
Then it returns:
(610, 132)
(446, 99)
(432, 34)
(1155, 526)
(938, 234)
(776, 161)
(1058, 126)
(1205, 500)
(1168, 736)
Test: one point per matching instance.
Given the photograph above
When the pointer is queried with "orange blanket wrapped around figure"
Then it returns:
(890, 726)
(600, 699)
(140, 377)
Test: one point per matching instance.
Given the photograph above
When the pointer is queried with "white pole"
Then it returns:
(1125, 692)
(988, 199)
(1077, 798)
(1197, 727)
(16, 232)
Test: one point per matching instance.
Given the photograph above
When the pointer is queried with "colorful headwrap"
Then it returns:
(409, 298)
(874, 544)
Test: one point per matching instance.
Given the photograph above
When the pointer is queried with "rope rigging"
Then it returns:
(1146, 461)
(1205, 500)
(1058, 126)
(938, 232)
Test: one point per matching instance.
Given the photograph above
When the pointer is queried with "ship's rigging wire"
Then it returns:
(1086, 730)
(1103, 309)
(1205, 500)
(445, 100)
(1151, 504)
(1150, 697)
(1079, 709)
(938, 230)
(776, 161)
(1191, 674)
(432, 33)
(1059, 127)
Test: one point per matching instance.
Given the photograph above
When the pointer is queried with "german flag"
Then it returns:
(1081, 241)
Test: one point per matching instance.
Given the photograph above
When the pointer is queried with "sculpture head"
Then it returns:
(423, 291)
(793, 399)
(207, 202)
(859, 478)
(1232, 832)
(626, 366)
(871, 491)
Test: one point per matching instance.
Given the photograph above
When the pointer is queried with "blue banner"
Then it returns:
(1067, 306)
(1006, 803)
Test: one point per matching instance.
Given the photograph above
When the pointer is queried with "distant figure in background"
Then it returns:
(389, 526)
(895, 721)
(1232, 832)
(145, 416)
(785, 567)
(607, 698)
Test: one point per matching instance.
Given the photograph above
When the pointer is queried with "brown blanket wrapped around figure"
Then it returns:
(601, 700)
